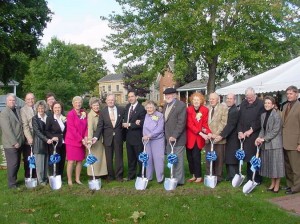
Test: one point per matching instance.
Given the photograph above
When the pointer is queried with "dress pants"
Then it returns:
(13, 158)
(178, 169)
(257, 179)
(232, 169)
(41, 161)
(26, 152)
(133, 152)
(292, 169)
(217, 168)
(61, 165)
(117, 148)
(194, 160)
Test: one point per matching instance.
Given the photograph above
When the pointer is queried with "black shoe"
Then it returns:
(286, 188)
(290, 192)
(270, 189)
(276, 191)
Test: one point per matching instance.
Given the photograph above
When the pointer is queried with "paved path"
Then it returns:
(291, 203)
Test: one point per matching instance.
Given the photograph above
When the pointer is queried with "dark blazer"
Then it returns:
(106, 129)
(230, 133)
(53, 130)
(175, 124)
(134, 133)
(39, 135)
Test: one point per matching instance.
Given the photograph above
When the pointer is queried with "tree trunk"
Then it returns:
(212, 68)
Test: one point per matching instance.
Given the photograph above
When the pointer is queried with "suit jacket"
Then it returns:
(12, 129)
(273, 132)
(106, 129)
(39, 135)
(175, 124)
(218, 122)
(134, 133)
(53, 129)
(194, 126)
(27, 114)
(291, 127)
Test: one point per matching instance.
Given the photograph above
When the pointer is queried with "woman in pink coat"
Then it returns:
(76, 139)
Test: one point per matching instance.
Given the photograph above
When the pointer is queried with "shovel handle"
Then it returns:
(257, 151)
(212, 142)
(172, 145)
(242, 143)
(54, 146)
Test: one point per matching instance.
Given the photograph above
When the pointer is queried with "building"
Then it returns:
(113, 84)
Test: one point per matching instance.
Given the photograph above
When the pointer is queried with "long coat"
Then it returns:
(27, 114)
(250, 117)
(231, 135)
(39, 133)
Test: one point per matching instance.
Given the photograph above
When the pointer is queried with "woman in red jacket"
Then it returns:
(197, 132)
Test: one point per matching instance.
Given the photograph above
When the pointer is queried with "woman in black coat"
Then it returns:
(40, 141)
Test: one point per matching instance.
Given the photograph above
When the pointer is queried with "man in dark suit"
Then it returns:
(12, 138)
(230, 133)
(175, 120)
(133, 123)
(110, 127)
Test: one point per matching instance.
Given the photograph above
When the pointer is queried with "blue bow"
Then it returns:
(211, 156)
(172, 159)
(31, 160)
(90, 160)
(143, 158)
(54, 159)
(255, 163)
(240, 154)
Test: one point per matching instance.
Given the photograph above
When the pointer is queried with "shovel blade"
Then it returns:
(95, 184)
(170, 184)
(55, 182)
(237, 180)
(141, 183)
(210, 181)
(249, 186)
(30, 182)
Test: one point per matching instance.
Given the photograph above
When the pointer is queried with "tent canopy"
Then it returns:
(276, 79)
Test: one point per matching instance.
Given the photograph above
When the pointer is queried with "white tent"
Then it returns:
(276, 79)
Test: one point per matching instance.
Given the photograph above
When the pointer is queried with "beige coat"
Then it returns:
(291, 127)
(27, 114)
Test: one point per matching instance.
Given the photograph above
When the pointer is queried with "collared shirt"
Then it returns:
(115, 111)
(42, 118)
(134, 106)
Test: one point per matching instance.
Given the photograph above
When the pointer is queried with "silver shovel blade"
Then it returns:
(170, 184)
(30, 182)
(249, 186)
(55, 182)
(237, 180)
(210, 181)
(141, 183)
(95, 184)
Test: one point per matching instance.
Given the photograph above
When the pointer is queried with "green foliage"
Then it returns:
(65, 69)
(224, 37)
(21, 26)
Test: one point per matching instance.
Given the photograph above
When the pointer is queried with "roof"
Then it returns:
(111, 77)
(276, 79)
(198, 85)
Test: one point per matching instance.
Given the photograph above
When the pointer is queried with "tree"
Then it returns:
(21, 25)
(65, 69)
(224, 37)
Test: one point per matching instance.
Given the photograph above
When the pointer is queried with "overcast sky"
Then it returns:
(78, 21)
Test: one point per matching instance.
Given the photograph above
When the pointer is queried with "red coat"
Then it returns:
(194, 126)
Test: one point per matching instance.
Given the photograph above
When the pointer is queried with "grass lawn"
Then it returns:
(116, 202)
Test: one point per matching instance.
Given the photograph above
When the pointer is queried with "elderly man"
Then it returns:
(12, 138)
(291, 140)
(217, 120)
(230, 134)
(248, 127)
(175, 119)
(27, 113)
(110, 127)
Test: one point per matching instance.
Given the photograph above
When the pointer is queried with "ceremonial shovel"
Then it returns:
(171, 183)
(210, 180)
(94, 184)
(239, 178)
(142, 182)
(251, 184)
(31, 182)
(55, 180)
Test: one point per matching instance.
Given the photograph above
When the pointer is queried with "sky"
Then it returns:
(78, 22)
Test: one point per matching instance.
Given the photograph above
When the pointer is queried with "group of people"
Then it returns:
(221, 127)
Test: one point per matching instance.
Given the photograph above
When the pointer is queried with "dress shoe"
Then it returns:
(276, 191)
(290, 192)
(270, 189)
(198, 181)
(78, 182)
(191, 180)
(286, 188)
(127, 179)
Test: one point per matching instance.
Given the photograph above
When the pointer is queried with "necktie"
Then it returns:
(112, 116)
(288, 108)
(131, 112)
(212, 112)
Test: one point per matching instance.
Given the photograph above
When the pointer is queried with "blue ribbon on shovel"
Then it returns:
(255, 163)
(172, 159)
(211, 156)
(55, 158)
(143, 158)
(240, 154)
(90, 160)
(31, 160)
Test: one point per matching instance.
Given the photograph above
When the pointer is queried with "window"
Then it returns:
(109, 88)
(103, 88)
(118, 88)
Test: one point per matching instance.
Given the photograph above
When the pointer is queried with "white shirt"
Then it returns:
(132, 105)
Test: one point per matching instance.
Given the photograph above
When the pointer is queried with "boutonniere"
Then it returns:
(63, 118)
(198, 116)
(82, 115)
(155, 118)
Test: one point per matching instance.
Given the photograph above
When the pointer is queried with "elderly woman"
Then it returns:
(100, 168)
(270, 139)
(56, 130)
(153, 132)
(197, 132)
(76, 139)
(40, 142)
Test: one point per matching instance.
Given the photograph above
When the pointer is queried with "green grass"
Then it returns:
(116, 202)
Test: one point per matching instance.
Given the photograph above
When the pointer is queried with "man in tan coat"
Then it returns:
(291, 140)
(217, 120)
